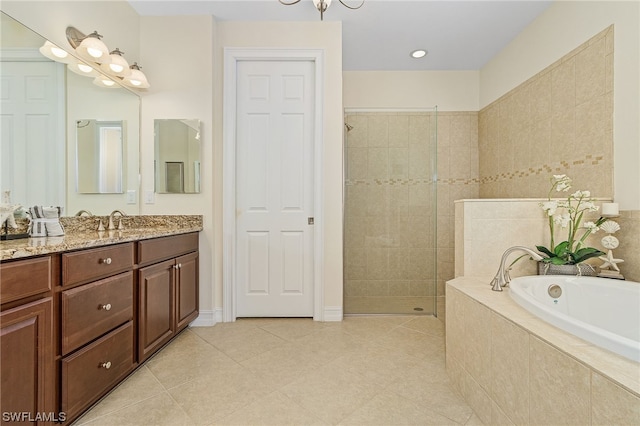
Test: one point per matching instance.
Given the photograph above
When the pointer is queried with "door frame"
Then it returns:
(231, 58)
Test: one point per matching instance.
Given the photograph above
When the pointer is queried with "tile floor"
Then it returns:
(377, 370)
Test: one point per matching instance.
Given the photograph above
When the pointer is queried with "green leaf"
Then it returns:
(559, 261)
(543, 249)
(561, 249)
(587, 253)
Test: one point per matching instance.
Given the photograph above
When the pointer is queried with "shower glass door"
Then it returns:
(390, 212)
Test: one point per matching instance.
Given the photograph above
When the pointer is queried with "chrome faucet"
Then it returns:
(502, 277)
(111, 226)
(81, 212)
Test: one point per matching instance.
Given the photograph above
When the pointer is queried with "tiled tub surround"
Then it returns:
(558, 121)
(485, 228)
(81, 232)
(514, 368)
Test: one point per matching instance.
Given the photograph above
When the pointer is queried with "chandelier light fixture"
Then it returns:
(322, 5)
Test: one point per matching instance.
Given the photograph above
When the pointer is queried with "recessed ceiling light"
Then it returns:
(419, 53)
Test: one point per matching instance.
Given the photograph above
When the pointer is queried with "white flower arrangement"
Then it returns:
(568, 214)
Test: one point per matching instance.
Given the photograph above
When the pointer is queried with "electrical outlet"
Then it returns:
(149, 197)
(131, 196)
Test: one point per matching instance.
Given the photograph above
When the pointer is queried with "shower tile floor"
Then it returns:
(366, 370)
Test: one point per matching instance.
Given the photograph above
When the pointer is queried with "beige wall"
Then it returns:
(557, 122)
(302, 35)
(564, 26)
(182, 88)
(115, 20)
(449, 90)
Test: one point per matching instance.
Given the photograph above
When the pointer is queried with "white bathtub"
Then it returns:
(602, 311)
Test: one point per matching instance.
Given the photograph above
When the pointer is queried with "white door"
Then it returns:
(274, 188)
(30, 133)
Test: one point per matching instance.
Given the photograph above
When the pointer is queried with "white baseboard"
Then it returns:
(208, 318)
(333, 313)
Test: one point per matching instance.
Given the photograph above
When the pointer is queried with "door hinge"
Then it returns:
(310, 221)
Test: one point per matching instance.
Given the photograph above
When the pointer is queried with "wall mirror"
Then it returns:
(99, 147)
(177, 156)
(45, 140)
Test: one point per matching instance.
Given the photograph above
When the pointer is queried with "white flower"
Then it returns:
(550, 207)
(592, 227)
(588, 205)
(562, 182)
(581, 194)
(562, 219)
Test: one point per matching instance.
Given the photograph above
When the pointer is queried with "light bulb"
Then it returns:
(85, 68)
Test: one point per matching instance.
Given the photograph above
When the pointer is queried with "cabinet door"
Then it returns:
(156, 307)
(26, 359)
(186, 290)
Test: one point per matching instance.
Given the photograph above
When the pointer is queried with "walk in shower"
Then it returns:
(390, 212)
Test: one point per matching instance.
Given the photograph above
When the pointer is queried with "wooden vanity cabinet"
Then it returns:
(97, 330)
(167, 289)
(26, 341)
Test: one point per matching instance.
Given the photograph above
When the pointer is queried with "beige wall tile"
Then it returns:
(612, 405)
(551, 124)
(510, 375)
(477, 357)
(560, 387)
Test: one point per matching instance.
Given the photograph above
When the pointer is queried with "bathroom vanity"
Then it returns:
(79, 314)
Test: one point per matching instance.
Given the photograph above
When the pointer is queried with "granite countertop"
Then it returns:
(81, 232)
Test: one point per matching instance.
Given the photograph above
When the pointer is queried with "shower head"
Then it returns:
(348, 126)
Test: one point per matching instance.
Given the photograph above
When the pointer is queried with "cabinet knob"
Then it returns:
(105, 261)
(179, 265)
(106, 365)
(106, 307)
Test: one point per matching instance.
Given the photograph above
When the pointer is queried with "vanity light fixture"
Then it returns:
(81, 68)
(53, 52)
(322, 5)
(92, 49)
(420, 53)
(103, 81)
(137, 78)
(117, 65)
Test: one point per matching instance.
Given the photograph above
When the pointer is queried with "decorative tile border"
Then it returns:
(558, 167)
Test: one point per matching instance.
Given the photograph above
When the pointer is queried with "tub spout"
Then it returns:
(502, 277)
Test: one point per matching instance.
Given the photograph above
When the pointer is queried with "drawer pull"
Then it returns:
(106, 307)
(105, 261)
(106, 365)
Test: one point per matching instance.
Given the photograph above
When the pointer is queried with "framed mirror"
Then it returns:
(177, 156)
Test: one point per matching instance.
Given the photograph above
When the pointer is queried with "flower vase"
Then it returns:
(581, 269)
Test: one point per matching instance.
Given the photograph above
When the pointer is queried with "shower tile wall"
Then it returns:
(389, 227)
(390, 213)
(458, 178)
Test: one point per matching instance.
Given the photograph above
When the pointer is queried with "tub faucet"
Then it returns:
(502, 277)
(81, 212)
(111, 225)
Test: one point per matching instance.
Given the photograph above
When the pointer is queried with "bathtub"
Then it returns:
(602, 311)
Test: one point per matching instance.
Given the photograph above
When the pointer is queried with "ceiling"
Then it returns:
(459, 35)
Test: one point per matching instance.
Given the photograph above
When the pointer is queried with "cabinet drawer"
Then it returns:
(158, 249)
(87, 265)
(24, 278)
(88, 373)
(93, 309)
